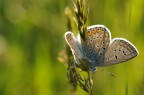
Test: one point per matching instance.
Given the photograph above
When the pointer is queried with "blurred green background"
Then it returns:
(32, 35)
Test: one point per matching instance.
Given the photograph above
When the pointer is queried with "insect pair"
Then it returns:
(99, 49)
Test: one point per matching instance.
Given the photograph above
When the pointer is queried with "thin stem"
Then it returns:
(74, 75)
(90, 83)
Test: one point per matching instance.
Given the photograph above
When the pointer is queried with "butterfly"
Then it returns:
(98, 49)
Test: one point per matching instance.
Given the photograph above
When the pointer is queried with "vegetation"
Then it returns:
(32, 40)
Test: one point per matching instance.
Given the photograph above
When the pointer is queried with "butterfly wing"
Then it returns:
(97, 50)
(75, 46)
(120, 50)
(98, 39)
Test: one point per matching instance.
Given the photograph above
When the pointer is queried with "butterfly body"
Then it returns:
(98, 49)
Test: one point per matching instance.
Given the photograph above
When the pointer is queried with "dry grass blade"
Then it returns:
(80, 18)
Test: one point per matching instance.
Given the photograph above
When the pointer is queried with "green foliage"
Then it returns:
(32, 35)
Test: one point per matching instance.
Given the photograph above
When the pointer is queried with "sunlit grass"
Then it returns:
(34, 35)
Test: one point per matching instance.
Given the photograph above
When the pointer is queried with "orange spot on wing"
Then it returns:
(89, 33)
(94, 31)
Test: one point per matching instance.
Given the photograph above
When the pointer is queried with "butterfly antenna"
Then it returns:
(113, 75)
